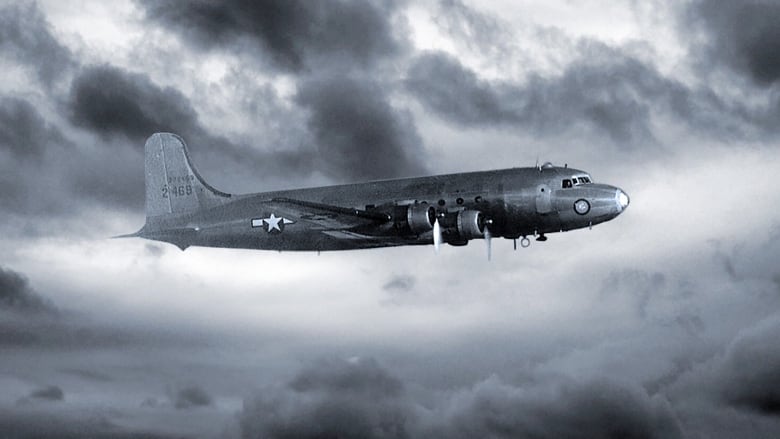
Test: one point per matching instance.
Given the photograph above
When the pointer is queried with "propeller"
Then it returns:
(488, 237)
(437, 238)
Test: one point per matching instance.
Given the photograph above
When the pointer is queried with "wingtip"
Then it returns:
(129, 235)
(137, 234)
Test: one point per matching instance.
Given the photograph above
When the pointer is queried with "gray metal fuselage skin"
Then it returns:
(512, 203)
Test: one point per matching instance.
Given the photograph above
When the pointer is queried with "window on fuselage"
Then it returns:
(566, 183)
(580, 180)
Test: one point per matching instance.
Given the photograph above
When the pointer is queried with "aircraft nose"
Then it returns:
(622, 200)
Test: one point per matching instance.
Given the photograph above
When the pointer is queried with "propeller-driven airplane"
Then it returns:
(182, 209)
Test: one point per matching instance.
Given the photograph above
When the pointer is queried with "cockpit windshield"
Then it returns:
(575, 181)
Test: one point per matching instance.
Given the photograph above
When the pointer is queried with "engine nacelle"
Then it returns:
(471, 224)
(463, 225)
(414, 218)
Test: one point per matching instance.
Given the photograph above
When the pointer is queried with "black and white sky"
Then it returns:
(660, 324)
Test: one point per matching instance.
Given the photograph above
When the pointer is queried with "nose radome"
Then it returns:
(622, 200)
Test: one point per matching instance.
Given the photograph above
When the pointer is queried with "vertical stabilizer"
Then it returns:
(173, 186)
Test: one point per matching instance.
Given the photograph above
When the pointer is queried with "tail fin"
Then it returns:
(173, 186)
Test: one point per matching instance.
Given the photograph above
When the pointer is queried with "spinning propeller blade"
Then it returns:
(437, 238)
(488, 238)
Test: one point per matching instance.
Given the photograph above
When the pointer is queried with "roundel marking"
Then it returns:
(581, 206)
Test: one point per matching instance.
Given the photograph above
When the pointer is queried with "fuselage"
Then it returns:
(510, 203)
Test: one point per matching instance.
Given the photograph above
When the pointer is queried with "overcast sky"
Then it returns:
(662, 323)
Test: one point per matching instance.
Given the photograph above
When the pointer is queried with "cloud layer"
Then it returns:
(661, 324)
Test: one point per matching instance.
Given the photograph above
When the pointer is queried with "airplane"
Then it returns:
(184, 210)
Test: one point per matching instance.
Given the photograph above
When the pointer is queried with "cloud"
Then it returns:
(154, 250)
(125, 108)
(745, 36)
(749, 376)
(292, 34)
(353, 131)
(479, 32)
(354, 376)
(49, 393)
(88, 375)
(333, 398)
(41, 162)
(604, 90)
(190, 397)
(643, 286)
(400, 290)
(401, 283)
(110, 101)
(26, 36)
(598, 409)
(610, 97)
(23, 131)
(21, 423)
(359, 398)
(17, 295)
(358, 134)
(27, 320)
(44, 168)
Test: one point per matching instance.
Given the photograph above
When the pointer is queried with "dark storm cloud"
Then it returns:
(598, 409)
(749, 377)
(110, 101)
(23, 131)
(34, 424)
(743, 35)
(191, 396)
(359, 135)
(25, 35)
(17, 295)
(604, 89)
(358, 376)
(125, 108)
(600, 95)
(293, 34)
(336, 398)
(359, 398)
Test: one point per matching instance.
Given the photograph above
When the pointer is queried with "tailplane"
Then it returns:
(173, 186)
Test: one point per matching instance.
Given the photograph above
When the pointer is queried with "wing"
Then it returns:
(327, 217)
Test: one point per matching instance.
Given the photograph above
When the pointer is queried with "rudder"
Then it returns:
(173, 186)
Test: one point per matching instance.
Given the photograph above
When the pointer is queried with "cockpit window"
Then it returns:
(575, 181)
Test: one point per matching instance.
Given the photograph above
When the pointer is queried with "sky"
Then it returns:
(662, 323)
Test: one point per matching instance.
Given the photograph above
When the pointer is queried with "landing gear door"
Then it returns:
(543, 199)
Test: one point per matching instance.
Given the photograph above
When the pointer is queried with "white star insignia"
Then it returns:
(273, 222)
